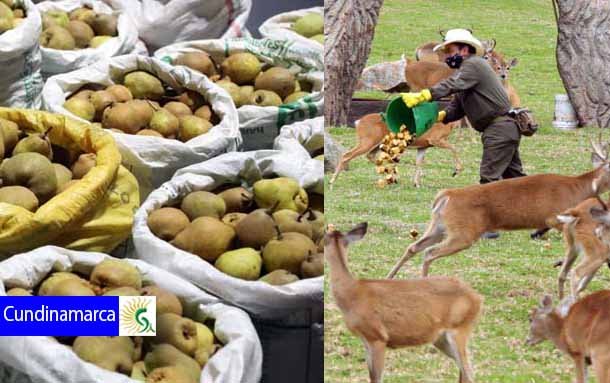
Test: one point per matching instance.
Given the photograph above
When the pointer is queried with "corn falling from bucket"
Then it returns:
(391, 148)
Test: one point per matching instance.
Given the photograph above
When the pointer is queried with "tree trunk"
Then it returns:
(583, 49)
(349, 26)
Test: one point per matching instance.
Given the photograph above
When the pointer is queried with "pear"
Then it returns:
(279, 277)
(10, 134)
(83, 93)
(165, 123)
(232, 219)
(280, 193)
(97, 41)
(242, 67)
(256, 229)
(144, 85)
(101, 100)
(317, 222)
(204, 112)
(291, 221)
(244, 263)
(143, 109)
(193, 126)
(51, 282)
(203, 204)
(199, 61)
(34, 143)
(295, 97)
(83, 14)
(122, 292)
(112, 273)
(167, 222)
(105, 25)
(20, 196)
(63, 175)
(120, 93)
(205, 344)
(81, 108)
(123, 117)
(265, 98)
(164, 355)
(313, 266)
(205, 237)
(309, 25)
(71, 287)
(169, 374)
(56, 37)
(149, 132)
(138, 372)
(81, 32)
(191, 99)
(51, 18)
(178, 331)
(318, 38)
(166, 302)
(277, 79)
(31, 170)
(178, 109)
(6, 18)
(18, 292)
(237, 199)
(287, 252)
(83, 165)
(246, 93)
(112, 353)
(232, 89)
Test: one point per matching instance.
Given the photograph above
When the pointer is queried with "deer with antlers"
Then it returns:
(460, 216)
(371, 129)
(401, 313)
(580, 330)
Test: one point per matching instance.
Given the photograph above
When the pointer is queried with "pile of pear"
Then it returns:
(11, 14)
(144, 106)
(270, 232)
(178, 352)
(391, 148)
(248, 80)
(311, 26)
(33, 170)
(80, 29)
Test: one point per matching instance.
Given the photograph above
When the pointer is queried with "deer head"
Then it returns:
(334, 240)
(500, 66)
(599, 159)
(542, 326)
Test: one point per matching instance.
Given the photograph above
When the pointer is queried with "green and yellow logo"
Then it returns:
(137, 316)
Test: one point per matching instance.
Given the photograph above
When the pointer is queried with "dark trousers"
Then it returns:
(501, 152)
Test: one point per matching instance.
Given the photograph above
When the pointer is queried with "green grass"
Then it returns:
(512, 272)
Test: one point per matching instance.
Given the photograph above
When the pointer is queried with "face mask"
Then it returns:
(454, 61)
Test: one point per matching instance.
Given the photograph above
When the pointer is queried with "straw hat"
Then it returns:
(461, 36)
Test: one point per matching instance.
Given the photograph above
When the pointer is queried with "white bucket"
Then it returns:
(565, 117)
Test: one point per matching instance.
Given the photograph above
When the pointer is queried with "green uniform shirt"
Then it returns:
(479, 94)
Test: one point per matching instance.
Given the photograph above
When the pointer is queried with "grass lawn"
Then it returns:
(512, 272)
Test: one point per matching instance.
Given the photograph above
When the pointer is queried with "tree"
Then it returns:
(583, 48)
(349, 26)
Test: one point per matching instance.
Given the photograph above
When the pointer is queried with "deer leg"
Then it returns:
(372, 154)
(375, 356)
(433, 235)
(567, 263)
(601, 364)
(584, 273)
(419, 163)
(461, 342)
(449, 246)
(581, 368)
(347, 157)
(444, 144)
(448, 348)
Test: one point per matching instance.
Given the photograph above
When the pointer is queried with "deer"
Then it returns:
(425, 52)
(460, 216)
(371, 129)
(583, 233)
(501, 67)
(402, 313)
(581, 330)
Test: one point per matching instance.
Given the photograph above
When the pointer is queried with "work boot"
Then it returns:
(490, 235)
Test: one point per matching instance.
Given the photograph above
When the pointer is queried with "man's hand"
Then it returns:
(441, 116)
(413, 99)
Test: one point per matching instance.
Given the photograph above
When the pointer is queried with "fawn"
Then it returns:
(460, 216)
(400, 313)
(581, 330)
(371, 129)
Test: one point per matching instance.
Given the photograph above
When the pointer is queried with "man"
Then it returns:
(480, 96)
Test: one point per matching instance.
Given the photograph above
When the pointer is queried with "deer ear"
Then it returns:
(356, 233)
(513, 62)
(600, 215)
(597, 160)
(546, 302)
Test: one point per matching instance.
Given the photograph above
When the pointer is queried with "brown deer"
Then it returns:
(371, 129)
(501, 67)
(582, 331)
(580, 226)
(400, 313)
(460, 216)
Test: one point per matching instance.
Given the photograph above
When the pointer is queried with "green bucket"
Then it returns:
(417, 119)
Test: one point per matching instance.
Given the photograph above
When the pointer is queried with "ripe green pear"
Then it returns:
(31, 170)
(34, 143)
(203, 204)
(164, 355)
(244, 263)
(313, 266)
(144, 85)
(178, 331)
(280, 193)
(20, 196)
(167, 302)
(287, 252)
(112, 353)
(205, 237)
(165, 123)
(291, 221)
(167, 222)
(193, 126)
(242, 67)
(97, 41)
(279, 277)
(113, 273)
